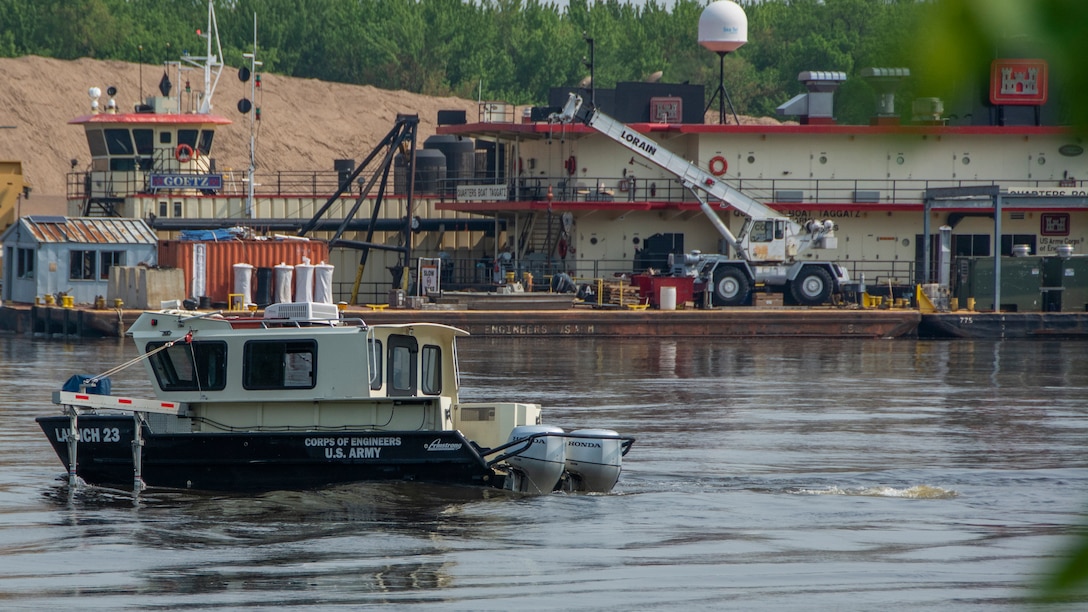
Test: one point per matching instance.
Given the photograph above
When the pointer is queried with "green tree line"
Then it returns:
(511, 50)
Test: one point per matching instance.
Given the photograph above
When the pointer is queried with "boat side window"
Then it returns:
(205, 146)
(430, 379)
(779, 230)
(374, 358)
(166, 137)
(188, 137)
(762, 231)
(194, 366)
(97, 143)
(279, 364)
(402, 365)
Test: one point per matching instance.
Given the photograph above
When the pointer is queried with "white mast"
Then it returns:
(253, 64)
(212, 62)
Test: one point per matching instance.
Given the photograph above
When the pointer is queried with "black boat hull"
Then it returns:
(999, 326)
(264, 461)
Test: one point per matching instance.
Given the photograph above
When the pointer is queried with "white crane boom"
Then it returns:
(702, 184)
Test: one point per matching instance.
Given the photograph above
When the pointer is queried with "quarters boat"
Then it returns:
(302, 398)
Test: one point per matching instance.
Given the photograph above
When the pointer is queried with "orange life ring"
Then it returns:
(183, 153)
(718, 166)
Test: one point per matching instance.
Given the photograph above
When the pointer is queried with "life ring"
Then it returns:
(718, 166)
(571, 165)
(562, 248)
(184, 153)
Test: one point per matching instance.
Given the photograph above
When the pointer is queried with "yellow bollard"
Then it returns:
(49, 299)
(971, 304)
(67, 301)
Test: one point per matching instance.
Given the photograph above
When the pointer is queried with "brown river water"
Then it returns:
(768, 474)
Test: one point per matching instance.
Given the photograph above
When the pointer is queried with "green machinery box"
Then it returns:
(1065, 284)
(1021, 283)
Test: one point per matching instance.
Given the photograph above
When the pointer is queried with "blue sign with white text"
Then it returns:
(186, 181)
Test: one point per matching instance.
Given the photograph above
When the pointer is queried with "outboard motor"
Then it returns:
(594, 462)
(539, 468)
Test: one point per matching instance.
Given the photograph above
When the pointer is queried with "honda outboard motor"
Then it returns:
(594, 463)
(539, 468)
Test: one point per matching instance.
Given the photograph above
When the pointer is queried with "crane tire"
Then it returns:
(731, 287)
(812, 286)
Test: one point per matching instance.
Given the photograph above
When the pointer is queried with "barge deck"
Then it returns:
(574, 322)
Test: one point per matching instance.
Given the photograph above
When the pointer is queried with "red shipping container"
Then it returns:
(218, 259)
(649, 287)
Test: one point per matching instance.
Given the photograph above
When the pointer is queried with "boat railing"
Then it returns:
(602, 189)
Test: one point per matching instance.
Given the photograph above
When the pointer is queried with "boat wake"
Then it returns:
(915, 492)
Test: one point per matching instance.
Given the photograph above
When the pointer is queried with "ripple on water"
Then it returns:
(914, 492)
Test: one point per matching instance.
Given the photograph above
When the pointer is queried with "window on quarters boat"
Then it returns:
(279, 364)
(374, 358)
(194, 366)
(431, 375)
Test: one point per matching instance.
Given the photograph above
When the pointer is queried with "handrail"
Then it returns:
(601, 189)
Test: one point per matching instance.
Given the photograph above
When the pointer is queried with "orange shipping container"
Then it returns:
(217, 260)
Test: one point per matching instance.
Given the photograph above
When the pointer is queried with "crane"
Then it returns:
(767, 245)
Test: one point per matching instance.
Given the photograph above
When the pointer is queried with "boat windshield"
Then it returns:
(194, 366)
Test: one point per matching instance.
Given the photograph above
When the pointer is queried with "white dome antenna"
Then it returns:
(723, 28)
(94, 93)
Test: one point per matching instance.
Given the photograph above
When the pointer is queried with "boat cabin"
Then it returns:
(301, 368)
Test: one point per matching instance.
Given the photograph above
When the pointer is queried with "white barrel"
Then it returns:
(284, 283)
(323, 283)
(596, 460)
(667, 299)
(243, 282)
(539, 468)
(304, 282)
